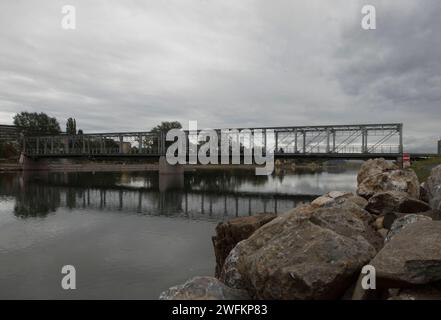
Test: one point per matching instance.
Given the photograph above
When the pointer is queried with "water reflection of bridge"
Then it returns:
(41, 199)
(208, 195)
(187, 203)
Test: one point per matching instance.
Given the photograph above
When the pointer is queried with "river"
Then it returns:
(127, 236)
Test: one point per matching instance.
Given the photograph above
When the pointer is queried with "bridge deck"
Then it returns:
(343, 156)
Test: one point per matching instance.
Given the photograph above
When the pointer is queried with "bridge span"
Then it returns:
(360, 141)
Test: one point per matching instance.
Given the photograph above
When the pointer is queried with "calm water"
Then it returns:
(130, 235)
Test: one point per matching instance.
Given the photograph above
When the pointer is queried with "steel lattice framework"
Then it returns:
(333, 141)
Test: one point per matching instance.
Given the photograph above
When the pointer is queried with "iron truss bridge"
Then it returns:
(330, 141)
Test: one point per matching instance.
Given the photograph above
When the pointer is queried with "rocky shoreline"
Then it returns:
(319, 251)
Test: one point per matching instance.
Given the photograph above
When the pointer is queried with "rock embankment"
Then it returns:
(307, 253)
(433, 188)
(318, 251)
(379, 175)
(229, 233)
(203, 288)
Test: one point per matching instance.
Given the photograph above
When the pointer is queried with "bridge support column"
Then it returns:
(140, 143)
(121, 143)
(295, 141)
(333, 140)
(304, 142)
(364, 143)
(328, 141)
(400, 132)
(29, 164)
(170, 176)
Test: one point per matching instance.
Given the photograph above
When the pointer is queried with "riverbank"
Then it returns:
(423, 167)
(383, 242)
(64, 165)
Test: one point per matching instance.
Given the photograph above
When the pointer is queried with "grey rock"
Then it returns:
(338, 197)
(374, 167)
(386, 202)
(383, 233)
(418, 293)
(399, 180)
(379, 223)
(424, 194)
(203, 288)
(403, 222)
(433, 187)
(307, 253)
(411, 257)
(390, 218)
(230, 232)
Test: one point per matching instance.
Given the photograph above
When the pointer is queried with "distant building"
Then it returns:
(439, 147)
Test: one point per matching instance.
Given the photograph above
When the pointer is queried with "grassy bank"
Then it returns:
(423, 167)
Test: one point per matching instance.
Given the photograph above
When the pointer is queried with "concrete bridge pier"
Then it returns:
(29, 164)
(170, 176)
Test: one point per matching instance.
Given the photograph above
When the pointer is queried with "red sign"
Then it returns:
(406, 157)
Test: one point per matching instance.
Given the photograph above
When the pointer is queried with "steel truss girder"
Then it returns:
(321, 138)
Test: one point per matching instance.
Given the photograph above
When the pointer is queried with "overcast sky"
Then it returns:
(226, 63)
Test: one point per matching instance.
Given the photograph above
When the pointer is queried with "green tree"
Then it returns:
(71, 126)
(37, 123)
(166, 126)
(150, 143)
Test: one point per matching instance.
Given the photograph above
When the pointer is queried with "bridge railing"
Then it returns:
(145, 143)
(351, 139)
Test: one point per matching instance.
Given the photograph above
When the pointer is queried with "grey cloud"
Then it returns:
(132, 64)
(395, 71)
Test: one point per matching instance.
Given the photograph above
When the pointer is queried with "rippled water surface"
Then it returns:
(130, 235)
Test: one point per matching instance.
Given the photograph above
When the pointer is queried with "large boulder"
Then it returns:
(424, 194)
(203, 288)
(338, 197)
(433, 187)
(402, 222)
(395, 201)
(418, 293)
(399, 180)
(391, 217)
(411, 257)
(374, 167)
(229, 233)
(307, 253)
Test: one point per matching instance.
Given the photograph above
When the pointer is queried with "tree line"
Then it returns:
(39, 123)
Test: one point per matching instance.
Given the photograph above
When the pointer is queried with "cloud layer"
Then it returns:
(132, 64)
